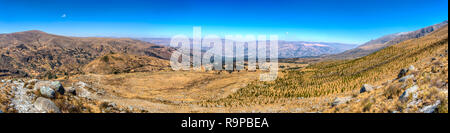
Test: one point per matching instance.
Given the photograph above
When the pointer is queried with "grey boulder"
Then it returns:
(430, 108)
(340, 100)
(81, 89)
(54, 85)
(366, 88)
(405, 95)
(47, 92)
(44, 105)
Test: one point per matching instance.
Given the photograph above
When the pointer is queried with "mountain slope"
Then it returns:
(343, 76)
(385, 41)
(298, 49)
(124, 63)
(38, 54)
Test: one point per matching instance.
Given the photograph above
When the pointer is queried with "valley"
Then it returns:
(48, 73)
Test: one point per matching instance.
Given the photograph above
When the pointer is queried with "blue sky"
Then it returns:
(345, 21)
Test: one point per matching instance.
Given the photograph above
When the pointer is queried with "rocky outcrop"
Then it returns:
(49, 88)
(81, 89)
(47, 92)
(340, 100)
(22, 101)
(44, 105)
(47, 97)
(430, 108)
(410, 91)
(366, 88)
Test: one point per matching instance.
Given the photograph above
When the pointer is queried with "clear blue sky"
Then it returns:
(346, 21)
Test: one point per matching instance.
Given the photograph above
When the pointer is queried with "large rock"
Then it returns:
(58, 87)
(44, 105)
(430, 108)
(47, 92)
(54, 85)
(340, 100)
(81, 89)
(366, 88)
(412, 90)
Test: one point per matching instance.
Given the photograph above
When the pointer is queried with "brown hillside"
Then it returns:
(124, 63)
(344, 76)
(38, 54)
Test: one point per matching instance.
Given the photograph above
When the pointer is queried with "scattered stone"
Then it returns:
(430, 108)
(366, 88)
(47, 92)
(340, 100)
(45, 105)
(432, 59)
(70, 90)
(411, 68)
(402, 73)
(80, 89)
(408, 92)
(405, 78)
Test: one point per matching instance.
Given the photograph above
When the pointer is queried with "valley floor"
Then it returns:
(185, 91)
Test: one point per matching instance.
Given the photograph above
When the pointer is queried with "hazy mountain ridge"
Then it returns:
(385, 41)
(287, 49)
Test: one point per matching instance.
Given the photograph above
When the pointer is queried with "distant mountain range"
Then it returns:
(287, 49)
(385, 41)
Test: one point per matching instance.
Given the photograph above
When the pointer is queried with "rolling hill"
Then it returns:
(125, 63)
(320, 82)
(39, 54)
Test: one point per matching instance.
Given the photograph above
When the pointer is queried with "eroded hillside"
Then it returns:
(325, 80)
(42, 55)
